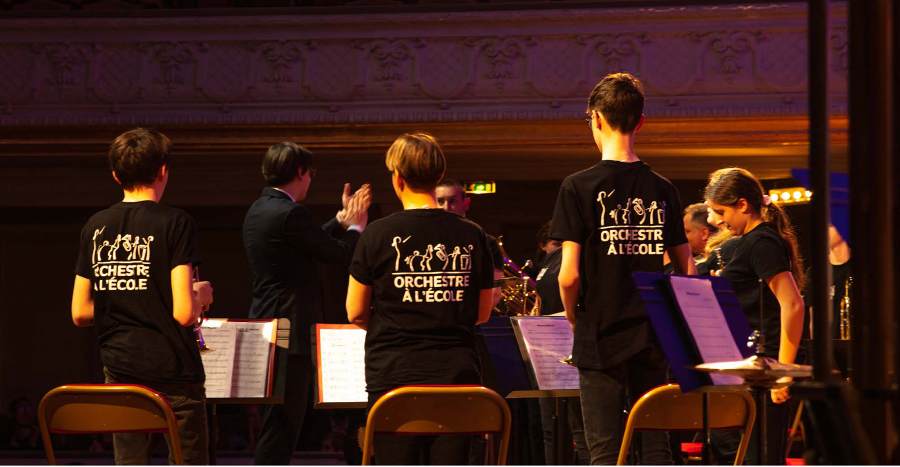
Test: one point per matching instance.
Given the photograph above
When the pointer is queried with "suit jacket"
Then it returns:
(282, 244)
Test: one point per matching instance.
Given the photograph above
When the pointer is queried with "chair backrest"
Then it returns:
(667, 408)
(439, 410)
(106, 408)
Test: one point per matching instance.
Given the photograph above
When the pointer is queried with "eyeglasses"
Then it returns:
(589, 118)
(312, 172)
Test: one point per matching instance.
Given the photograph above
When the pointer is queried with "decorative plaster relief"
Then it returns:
(334, 72)
(377, 68)
(224, 72)
(116, 72)
(62, 71)
(16, 73)
(445, 69)
(172, 74)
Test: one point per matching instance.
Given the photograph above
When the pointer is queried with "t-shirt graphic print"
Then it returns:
(624, 216)
(426, 268)
(634, 227)
(441, 273)
(122, 265)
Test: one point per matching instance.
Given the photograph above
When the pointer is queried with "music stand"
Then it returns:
(682, 350)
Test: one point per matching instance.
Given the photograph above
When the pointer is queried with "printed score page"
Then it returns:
(548, 341)
(218, 361)
(256, 342)
(251, 355)
(342, 364)
(706, 321)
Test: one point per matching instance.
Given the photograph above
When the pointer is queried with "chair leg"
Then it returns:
(796, 431)
(490, 446)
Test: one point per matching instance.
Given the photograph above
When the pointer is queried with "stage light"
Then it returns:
(480, 187)
(792, 195)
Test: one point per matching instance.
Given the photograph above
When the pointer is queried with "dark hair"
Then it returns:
(620, 98)
(543, 234)
(283, 160)
(728, 186)
(418, 158)
(137, 155)
(452, 182)
(699, 213)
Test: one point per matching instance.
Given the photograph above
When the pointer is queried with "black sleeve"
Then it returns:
(313, 240)
(333, 227)
(673, 230)
(768, 257)
(361, 265)
(567, 223)
(183, 241)
(494, 249)
(485, 271)
(83, 266)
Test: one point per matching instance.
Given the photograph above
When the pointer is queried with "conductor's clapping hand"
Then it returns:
(355, 207)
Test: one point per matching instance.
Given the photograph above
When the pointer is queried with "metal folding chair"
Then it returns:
(667, 408)
(439, 410)
(106, 408)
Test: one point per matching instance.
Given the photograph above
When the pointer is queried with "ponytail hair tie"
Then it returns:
(766, 200)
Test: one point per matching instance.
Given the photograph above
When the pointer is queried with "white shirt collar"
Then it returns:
(288, 194)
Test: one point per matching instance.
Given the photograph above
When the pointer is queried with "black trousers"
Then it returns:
(282, 424)
(604, 394)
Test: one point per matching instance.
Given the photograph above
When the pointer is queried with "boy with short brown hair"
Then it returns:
(135, 283)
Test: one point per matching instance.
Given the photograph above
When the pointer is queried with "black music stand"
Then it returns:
(510, 373)
(676, 339)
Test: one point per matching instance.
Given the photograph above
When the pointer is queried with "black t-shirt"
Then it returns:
(624, 215)
(426, 268)
(128, 252)
(547, 279)
(721, 255)
(757, 256)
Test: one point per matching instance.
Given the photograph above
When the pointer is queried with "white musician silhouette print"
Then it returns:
(123, 264)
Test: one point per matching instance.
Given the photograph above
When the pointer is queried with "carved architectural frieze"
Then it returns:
(696, 61)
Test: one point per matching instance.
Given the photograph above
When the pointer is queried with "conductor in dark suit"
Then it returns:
(283, 243)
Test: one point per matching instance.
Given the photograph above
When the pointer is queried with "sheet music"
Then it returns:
(252, 359)
(547, 341)
(706, 321)
(218, 361)
(248, 350)
(342, 364)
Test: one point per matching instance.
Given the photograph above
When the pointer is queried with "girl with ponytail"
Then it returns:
(766, 272)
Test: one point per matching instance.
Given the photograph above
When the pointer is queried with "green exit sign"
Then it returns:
(481, 188)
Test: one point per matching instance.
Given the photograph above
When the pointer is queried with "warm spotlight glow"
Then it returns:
(792, 195)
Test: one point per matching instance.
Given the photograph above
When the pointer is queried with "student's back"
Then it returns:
(625, 215)
(135, 280)
(426, 267)
(128, 251)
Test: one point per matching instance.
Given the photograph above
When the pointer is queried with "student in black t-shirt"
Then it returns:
(615, 218)
(420, 280)
(135, 282)
(766, 273)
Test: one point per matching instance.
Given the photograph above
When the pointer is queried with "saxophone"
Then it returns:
(844, 311)
(518, 292)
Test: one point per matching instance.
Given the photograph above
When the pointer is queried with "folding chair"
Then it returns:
(667, 408)
(106, 408)
(439, 410)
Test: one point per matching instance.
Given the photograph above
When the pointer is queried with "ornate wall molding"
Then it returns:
(446, 67)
